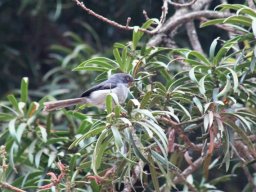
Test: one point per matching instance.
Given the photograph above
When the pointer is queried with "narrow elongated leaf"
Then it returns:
(183, 109)
(198, 104)
(225, 90)
(14, 102)
(117, 136)
(136, 150)
(117, 56)
(109, 104)
(90, 133)
(136, 36)
(201, 85)
(43, 133)
(241, 134)
(212, 22)
(145, 112)
(98, 64)
(213, 47)
(24, 89)
(99, 149)
(144, 102)
(6, 117)
(199, 56)
(153, 173)
(163, 161)
(235, 79)
(21, 128)
(192, 74)
(12, 129)
(206, 122)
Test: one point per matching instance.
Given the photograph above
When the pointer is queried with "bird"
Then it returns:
(118, 84)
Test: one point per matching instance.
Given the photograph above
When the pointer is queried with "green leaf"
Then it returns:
(91, 133)
(145, 112)
(199, 56)
(118, 138)
(14, 102)
(248, 11)
(239, 20)
(109, 104)
(201, 85)
(136, 36)
(117, 56)
(229, 6)
(159, 132)
(117, 111)
(241, 134)
(198, 104)
(138, 152)
(97, 64)
(33, 107)
(213, 48)
(43, 133)
(99, 149)
(6, 117)
(124, 65)
(38, 157)
(153, 173)
(192, 74)
(12, 129)
(212, 22)
(235, 79)
(51, 158)
(183, 109)
(225, 90)
(24, 89)
(21, 128)
(165, 162)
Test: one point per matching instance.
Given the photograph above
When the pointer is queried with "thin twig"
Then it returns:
(4, 185)
(190, 169)
(181, 4)
(127, 27)
(179, 132)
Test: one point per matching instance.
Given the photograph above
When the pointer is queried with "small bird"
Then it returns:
(118, 83)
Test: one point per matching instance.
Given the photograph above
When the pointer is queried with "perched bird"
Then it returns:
(118, 83)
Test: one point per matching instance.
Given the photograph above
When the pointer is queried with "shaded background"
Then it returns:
(36, 36)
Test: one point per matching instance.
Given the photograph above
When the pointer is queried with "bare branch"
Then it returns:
(127, 27)
(4, 185)
(175, 22)
(193, 38)
(251, 4)
(171, 25)
(190, 169)
(181, 4)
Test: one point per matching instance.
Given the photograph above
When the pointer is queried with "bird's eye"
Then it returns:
(128, 78)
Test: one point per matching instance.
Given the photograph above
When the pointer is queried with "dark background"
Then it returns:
(29, 29)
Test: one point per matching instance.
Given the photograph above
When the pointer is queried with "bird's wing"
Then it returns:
(101, 86)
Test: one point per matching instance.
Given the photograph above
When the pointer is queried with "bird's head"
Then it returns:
(122, 78)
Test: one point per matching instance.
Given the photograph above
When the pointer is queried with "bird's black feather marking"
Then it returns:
(101, 86)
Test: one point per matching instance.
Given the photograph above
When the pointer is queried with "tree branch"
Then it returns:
(4, 185)
(177, 22)
(193, 38)
(127, 27)
(181, 4)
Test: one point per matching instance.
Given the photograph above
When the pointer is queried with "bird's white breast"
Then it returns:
(98, 98)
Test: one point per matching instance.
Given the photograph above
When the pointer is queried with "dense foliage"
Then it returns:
(188, 123)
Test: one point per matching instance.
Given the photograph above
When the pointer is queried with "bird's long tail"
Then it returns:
(53, 105)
